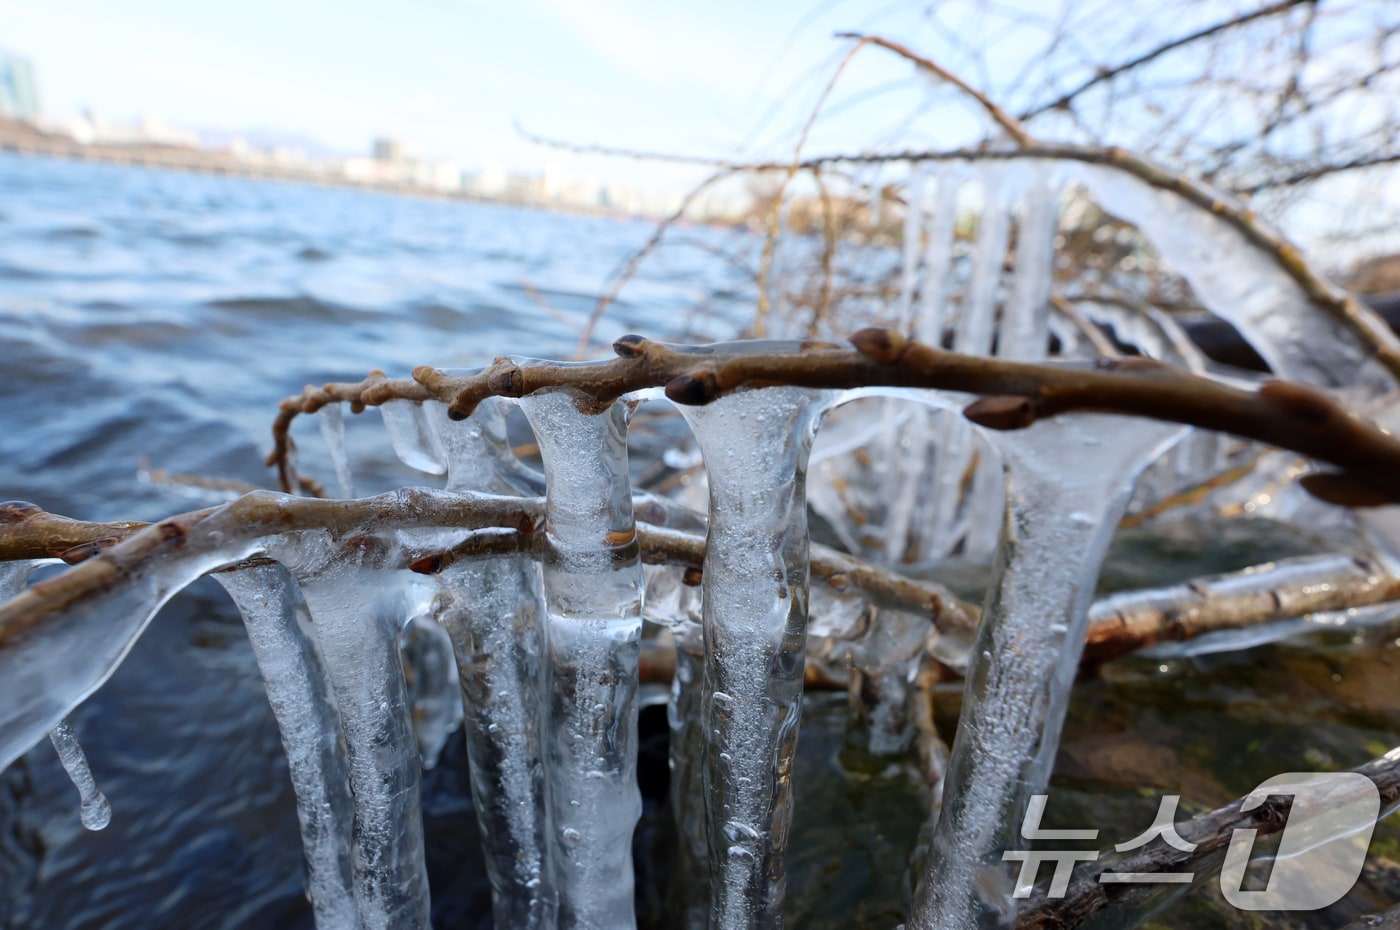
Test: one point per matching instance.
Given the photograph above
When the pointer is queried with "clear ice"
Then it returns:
(332, 422)
(303, 703)
(593, 598)
(754, 607)
(358, 607)
(1068, 481)
(493, 608)
(96, 813)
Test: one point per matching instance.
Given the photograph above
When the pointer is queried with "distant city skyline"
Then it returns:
(453, 80)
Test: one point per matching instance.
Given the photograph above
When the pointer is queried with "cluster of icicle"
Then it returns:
(988, 293)
(546, 653)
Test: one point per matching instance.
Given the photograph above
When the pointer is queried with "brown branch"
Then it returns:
(1212, 832)
(1015, 395)
(1119, 624)
(202, 534)
(1005, 120)
(1107, 74)
(27, 532)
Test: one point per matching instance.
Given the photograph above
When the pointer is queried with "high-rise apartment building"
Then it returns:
(19, 97)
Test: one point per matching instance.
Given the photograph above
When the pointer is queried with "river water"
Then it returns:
(159, 317)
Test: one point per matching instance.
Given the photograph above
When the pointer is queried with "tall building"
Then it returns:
(19, 97)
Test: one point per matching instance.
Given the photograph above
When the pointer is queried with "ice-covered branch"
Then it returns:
(1016, 394)
(1119, 624)
(28, 532)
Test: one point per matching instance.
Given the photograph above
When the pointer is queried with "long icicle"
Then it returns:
(357, 609)
(303, 704)
(593, 589)
(493, 608)
(1068, 481)
(756, 445)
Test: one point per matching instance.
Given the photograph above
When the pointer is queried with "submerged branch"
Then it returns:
(1212, 832)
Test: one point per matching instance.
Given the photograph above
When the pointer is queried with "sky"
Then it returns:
(454, 78)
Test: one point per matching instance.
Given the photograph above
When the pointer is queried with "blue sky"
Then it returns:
(452, 78)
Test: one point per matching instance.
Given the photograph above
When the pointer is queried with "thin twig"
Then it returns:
(1005, 120)
(1107, 74)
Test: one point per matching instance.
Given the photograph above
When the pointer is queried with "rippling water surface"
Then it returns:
(160, 316)
(151, 315)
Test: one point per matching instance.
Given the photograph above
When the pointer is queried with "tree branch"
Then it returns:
(1107, 74)
(1119, 624)
(1015, 395)
(1005, 120)
(1212, 832)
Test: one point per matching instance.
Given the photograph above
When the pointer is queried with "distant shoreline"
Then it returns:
(25, 140)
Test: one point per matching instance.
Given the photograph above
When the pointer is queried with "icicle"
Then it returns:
(593, 586)
(887, 658)
(687, 756)
(977, 322)
(414, 436)
(96, 812)
(358, 608)
(1068, 481)
(1024, 334)
(332, 420)
(434, 690)
(478, 452)
(938, 260)
(755, 616)
(302, 701)
(913, 232)
(876, 193)
(493, 609)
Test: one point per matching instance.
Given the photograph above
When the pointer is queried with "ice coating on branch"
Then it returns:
(434, 692)
(493, 609)
(1068, 481)
(332, 421)
(414, 436)
(358, 607)
(593, 587)
(754, 600)
(15, 575)
(1237, 281)
(96, 812)
(303, 703)
(47, 671)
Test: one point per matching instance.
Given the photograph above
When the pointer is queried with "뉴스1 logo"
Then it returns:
(1319, 858)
